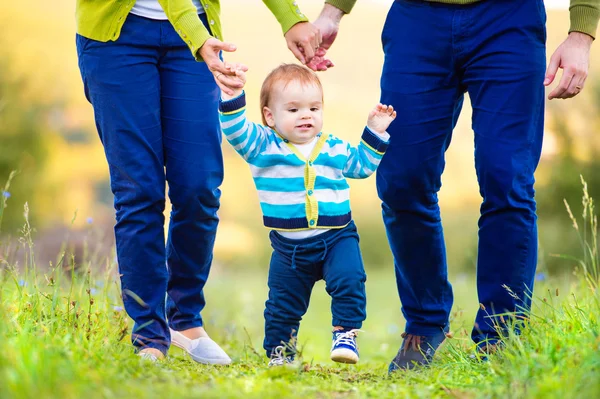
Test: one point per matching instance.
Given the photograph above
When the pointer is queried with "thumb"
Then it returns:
(229, 47)
(552, 68)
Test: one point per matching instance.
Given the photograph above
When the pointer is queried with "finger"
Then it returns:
(320, 39)
(552, 69)
(215, 65)
(320, 64)
(241, 75)
(295, 49)
(230, 82)
(326, 64)
(560, 90)
(576, 84)
(224, 88)
(308, 50)
(229, 47)
(316, 41)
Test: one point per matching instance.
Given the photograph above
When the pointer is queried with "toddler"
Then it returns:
(300, 174)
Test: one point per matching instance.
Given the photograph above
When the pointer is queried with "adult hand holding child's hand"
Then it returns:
(237, 75)
(225, 78)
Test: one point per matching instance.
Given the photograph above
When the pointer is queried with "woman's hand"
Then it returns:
(226, 78)
(303, 40)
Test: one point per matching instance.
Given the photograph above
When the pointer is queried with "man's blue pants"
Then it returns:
(434, 53)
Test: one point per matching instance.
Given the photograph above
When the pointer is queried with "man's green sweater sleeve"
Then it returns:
(584, 16)
(344, 5)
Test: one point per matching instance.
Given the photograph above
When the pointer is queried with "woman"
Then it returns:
(155, 107)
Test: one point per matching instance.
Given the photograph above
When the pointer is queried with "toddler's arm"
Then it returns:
(364, 159)
(247, 138)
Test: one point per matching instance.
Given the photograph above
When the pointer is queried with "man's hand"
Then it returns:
(328, 24)
(225, 78)
(380, 118)
(303, 40)
(239, 77)
(573, 56)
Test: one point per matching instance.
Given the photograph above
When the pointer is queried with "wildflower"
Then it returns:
(118, 308)
(540, 276)
(90, 220)
(5, 194)
(93, 291)
(22, 283)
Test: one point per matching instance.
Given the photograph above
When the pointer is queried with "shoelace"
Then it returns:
(149, 357)
(278, 358)
(346, 338)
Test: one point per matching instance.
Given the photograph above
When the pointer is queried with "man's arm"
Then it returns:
(573, 55)
(343, 5)
(584, 16)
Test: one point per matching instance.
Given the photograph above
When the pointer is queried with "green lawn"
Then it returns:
(64, 334)
(55, 343)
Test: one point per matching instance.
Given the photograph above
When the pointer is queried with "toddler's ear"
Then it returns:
(268, 117)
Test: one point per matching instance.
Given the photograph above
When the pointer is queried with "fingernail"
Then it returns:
(546, 81)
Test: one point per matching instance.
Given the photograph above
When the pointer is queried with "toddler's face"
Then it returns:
(296, 111)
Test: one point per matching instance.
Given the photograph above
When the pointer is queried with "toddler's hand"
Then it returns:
(380, 118)
(238, 75)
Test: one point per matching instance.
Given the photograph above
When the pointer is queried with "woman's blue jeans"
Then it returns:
(156, 113)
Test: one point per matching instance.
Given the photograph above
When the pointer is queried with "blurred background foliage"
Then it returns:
(48, 135)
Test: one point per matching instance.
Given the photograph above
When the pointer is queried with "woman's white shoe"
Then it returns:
(202, 350)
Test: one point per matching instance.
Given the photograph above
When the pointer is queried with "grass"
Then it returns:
(64, 334)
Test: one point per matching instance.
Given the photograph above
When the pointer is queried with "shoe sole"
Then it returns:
(203, 360)
(344, 356)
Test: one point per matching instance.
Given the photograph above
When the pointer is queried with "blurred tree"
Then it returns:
(22, 146)
(578, 154)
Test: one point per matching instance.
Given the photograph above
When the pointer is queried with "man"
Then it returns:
(435, 51)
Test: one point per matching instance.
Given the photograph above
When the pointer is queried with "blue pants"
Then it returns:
(156, 114)
(434, 53)
(296, 265)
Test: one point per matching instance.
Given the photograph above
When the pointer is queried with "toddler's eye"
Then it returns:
(292, 110)
(314, 109)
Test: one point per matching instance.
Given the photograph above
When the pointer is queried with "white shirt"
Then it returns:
(152, 9)
(306, 150)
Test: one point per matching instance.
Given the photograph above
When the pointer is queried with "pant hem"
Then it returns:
(346, 324)
(186, 325)
(162, 348)
(426, 330)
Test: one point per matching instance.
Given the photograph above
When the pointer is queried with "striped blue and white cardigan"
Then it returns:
(296, 193)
